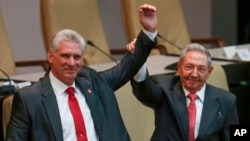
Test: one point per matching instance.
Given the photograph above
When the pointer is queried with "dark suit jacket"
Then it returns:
(35, 114)
(166, 97)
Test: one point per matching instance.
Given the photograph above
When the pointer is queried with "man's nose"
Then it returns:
(71, 61)
(195, 71)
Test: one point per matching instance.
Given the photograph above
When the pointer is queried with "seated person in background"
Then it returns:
(177, 117)
(73, 102)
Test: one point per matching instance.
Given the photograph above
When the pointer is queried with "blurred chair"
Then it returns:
(6, 57)
(171, 24)
(218, 77)
(138, 119)
(82, 16)
(7, 64)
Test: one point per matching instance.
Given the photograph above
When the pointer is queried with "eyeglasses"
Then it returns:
(200, 69)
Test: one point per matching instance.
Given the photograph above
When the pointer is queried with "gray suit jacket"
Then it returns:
(35, 114)
(166, 97)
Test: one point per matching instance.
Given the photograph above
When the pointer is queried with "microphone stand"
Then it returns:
(158, 35)
(89, 42)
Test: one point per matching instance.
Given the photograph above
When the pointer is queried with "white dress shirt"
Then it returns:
(67, 121)
(151, 35)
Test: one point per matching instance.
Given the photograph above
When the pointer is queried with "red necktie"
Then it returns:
(192, 115)
(77, 115)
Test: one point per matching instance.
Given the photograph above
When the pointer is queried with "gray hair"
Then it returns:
(196, 47)
(67, 35)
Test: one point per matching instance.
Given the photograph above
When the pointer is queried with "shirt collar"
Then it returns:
(200, 93)
(58, 86)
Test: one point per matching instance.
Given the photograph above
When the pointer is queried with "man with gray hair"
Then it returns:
(186, 107)
(76, 103)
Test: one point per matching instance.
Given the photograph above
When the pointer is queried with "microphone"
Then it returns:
(158, 35)
(8, 89)
(89, 42)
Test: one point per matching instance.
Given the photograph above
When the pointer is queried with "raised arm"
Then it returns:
(131, 63)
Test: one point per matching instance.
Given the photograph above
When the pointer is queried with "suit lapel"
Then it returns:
(93, 102)
(51, 107)
(209, 111)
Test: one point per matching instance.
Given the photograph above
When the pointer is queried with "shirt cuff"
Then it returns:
(141, 74)
(151, 35)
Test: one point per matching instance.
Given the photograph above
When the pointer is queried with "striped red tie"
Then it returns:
(77, 115)
(192, 115)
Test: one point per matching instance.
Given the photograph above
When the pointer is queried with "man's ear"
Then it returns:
(50, 56)
(210, 70)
